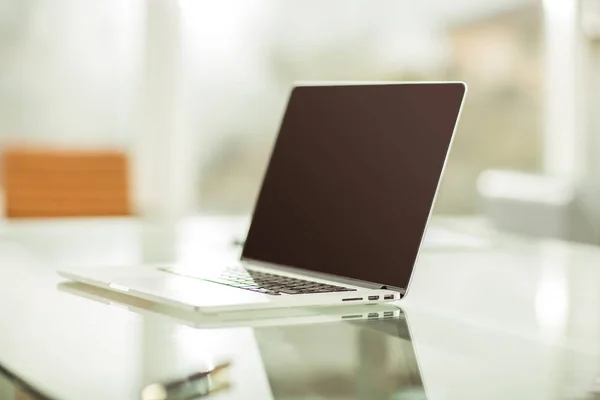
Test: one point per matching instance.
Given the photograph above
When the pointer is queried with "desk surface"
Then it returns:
(499, 318)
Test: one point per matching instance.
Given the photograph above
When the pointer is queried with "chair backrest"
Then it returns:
(65, 183)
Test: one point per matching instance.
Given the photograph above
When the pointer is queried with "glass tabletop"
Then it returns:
(516, 319)
(109, 345)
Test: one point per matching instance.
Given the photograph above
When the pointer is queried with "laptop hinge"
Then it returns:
(394, 288)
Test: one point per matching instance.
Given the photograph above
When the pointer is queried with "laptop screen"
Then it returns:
(352, 179)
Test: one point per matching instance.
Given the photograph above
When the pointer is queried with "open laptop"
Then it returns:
(342, 209)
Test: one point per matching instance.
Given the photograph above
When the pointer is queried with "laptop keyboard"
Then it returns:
(263, 282)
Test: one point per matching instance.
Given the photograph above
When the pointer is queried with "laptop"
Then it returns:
(342, 210)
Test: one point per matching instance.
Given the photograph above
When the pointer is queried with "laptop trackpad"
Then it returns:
(193, 292)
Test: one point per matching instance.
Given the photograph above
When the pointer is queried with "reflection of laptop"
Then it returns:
(370, 359)
(231, 319)
(342, 209)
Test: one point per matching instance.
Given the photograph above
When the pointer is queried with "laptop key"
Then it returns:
(290, 291)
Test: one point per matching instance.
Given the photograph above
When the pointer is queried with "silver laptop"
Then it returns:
(342, 209)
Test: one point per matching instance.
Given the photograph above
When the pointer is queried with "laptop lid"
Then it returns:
(353, 177)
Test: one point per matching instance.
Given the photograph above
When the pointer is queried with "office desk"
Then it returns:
(502, 318)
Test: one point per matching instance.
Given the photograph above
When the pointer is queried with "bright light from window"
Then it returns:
(552, 297)
(560, 9)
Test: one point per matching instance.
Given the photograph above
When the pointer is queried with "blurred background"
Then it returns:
(191, 93)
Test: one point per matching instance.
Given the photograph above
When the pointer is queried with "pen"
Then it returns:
(190, 387)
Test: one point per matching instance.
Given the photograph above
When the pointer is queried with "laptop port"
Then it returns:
(353, 299)
(351, 316)
(388, 313)
(373, 315)
(373, 297)
(388, 297)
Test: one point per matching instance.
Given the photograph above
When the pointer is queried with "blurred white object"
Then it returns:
(162, 187)
(525, 187)
(443, 238)
(535, 205)
(562, 131)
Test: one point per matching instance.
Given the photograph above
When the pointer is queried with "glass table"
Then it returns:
(505, 318)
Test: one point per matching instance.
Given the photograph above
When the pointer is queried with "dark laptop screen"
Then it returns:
(352, 179)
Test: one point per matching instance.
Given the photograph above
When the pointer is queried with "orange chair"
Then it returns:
(41, 183)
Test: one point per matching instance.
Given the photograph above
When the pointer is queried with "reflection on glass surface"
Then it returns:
(352, 352)
(364, 359)
(12, 388)
(552, 297)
